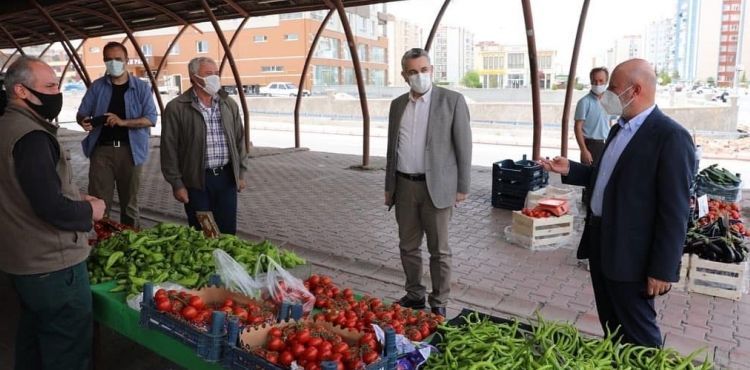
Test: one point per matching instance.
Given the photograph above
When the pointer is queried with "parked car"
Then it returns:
(230, 89)
(74, 87)
(281, 89)
(706, 90)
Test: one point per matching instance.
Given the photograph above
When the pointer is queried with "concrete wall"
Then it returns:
(700, 118)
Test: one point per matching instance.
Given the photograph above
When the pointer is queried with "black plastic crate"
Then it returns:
(237, 358)
(519, 188)
(523, 170)
(510, 202)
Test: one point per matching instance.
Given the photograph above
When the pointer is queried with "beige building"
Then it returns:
(402, 36)
(507, 66)
(269, 49)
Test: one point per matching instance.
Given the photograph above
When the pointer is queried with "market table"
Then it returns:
(110, 309)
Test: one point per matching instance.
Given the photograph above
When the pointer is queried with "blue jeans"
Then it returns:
(219, 196)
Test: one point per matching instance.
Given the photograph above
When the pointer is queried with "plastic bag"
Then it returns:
(134, 301)
(282, 286)
(234, 276)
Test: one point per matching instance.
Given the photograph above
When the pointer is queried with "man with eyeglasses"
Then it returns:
(428, 172)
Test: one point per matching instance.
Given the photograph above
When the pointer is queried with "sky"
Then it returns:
(555, 21)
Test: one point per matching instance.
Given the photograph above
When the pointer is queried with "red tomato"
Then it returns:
(275, 332)
(298, 349)
(196, 302)
(325, 345)
(370, 357)
(228, 302)
(325, 280)
(414, 334)
(314, 342)
(340, 347)
(189, 312)
(275, 344)
(311, 354)
(314, 280)
(286, 358)
(164, 305)
(303, 336)
(272, 357)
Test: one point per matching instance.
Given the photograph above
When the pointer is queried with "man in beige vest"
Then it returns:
(427, 173)
(44, 246)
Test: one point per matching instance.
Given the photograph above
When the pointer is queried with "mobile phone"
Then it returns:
(98, 120)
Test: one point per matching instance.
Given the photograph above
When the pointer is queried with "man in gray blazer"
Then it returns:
(427, 173)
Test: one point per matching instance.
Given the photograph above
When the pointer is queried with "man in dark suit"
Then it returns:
(637, 214)
(427, 173)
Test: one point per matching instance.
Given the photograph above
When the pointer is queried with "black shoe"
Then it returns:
(439, 311)
(407, 302)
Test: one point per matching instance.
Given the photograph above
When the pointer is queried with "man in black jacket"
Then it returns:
(637, 214)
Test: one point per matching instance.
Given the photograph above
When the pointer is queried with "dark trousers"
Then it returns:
(55, 328)
(110, 166)
(596, 148)
(622, 304)
(218, 196)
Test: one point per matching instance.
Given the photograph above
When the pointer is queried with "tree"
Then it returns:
(675, 75)
(664, 78)
(710, 81)
(471, 79)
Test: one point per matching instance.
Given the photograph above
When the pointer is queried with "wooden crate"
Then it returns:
(537, 232)
(684, 268)
(716, 279)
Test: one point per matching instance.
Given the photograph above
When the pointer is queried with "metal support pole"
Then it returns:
(235, 72)
(169, 49)
(231, 43)
(360, 82)
(7, 61)
(531, 42)
(65, 70)
(45, 50)
(435, 26)
(303, 76)
(72, 60)
(13, 41)
(65, 42)
(571, 79)
(138, 50)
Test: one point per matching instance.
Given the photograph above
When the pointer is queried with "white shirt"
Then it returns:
(412, 135)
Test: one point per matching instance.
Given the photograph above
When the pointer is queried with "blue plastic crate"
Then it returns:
(208, 345)
(236, 358)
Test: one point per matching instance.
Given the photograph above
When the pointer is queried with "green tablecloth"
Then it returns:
(111, 310)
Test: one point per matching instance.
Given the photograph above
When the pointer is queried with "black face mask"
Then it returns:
(51, 103)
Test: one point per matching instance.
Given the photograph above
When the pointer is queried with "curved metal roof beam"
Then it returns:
(93, 12)
(237, 8)
(170, 13)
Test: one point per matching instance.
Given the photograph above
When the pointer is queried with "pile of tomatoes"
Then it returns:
(537, 212)
(104, 229)
(308, 344)
(341, 308)
(192, 308)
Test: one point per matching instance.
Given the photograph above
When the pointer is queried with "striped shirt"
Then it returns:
(217, 151)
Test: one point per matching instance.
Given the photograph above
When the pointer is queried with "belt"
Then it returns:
(216, 171)
(113, 143)
(594, 221)
(594, 140)
(412, 177)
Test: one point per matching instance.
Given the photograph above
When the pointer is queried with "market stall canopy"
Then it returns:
(23, 22)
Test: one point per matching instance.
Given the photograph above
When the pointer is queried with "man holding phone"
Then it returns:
(117, 111)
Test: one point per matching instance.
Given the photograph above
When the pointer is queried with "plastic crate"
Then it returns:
(207, 344)
(235, 357)
(505, 201)
(519, 188)
(523, 170)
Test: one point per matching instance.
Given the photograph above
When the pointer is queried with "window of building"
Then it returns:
(325, 75)
(377, 77)
(175, 49)
(260, 38)
(349, 77)
(516, 60)
(515, 80)
(328, 47)
(290, 16)
(147, 50)
(545, 61)
(318, 15)
(271, 69)
(362, 52)
(291, 37)
(202, 46)
(377, 54)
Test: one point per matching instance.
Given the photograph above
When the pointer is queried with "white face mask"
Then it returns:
(115, 68)
(212, 82)
(420, 82)
(612, 103)
(599, 89)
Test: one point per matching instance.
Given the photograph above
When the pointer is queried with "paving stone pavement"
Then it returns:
(314, 204)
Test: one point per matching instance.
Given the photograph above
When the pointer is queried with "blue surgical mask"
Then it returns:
(115, 68)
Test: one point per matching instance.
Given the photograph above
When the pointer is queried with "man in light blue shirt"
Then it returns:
(117, 143)
(591, 121)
